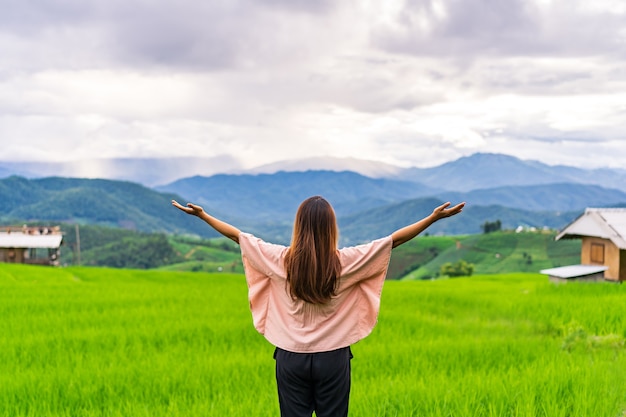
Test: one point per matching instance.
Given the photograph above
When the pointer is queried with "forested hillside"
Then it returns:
(92, 201)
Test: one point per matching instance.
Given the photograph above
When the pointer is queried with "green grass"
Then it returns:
(108, 342)
(417, 252)
(502, 252)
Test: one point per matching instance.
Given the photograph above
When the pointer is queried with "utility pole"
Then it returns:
(77, 244)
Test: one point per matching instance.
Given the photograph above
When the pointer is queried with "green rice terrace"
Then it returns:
(92, 341)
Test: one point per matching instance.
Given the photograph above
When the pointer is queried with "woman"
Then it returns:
(312, 300)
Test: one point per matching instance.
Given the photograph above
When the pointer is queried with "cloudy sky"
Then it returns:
(407, 82)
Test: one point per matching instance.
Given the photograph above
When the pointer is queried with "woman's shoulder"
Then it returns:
(250, 244)
(372, 243)
(253, 239)
(368, 249)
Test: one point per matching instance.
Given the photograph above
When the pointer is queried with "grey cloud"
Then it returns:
(303, 6)
(530, 77)
(484, 19)
(175, 36)
(501, 28)
(179, 34)
(570, 137)
(28, 18)
(215, 35)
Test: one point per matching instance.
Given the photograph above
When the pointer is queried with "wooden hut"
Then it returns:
(30, 245)
(603, 234)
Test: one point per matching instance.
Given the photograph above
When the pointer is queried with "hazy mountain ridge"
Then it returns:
(482, 170)
(372, 169)
(477, 171)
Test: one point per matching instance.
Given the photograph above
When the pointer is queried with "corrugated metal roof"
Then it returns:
(572, 271)
(24, 240)
(605, 223)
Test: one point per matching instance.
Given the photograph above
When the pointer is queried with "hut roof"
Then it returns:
(25, 240)
(574, 271)
(606, 223)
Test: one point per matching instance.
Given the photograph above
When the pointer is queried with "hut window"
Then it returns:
(597, 253)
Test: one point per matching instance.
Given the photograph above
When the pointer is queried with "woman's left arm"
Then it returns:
(407, 233)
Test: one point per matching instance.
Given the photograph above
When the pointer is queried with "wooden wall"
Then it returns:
(622, 265)
(611, 257)
(12, 255)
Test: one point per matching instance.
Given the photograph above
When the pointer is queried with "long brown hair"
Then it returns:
(312, 262)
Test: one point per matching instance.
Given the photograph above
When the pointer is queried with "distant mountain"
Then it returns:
(484, 170)
(373, 169)
(474, 172)
(477, 171)
(6, 172)
(276, 197)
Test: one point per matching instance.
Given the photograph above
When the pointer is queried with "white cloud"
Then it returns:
(413, 82)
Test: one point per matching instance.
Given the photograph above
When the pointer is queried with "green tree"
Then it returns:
(489, 227)
(143, 252)
(460, 268)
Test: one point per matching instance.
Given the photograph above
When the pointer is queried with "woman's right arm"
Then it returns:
(220, 226)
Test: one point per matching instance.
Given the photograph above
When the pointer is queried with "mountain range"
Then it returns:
(483, 170)
(495, 187)
(477, 171)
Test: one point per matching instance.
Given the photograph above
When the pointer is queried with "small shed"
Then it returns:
(30, 245)
(603, 234)
(584, 273)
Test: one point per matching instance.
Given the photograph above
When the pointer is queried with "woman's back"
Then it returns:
(299, 326)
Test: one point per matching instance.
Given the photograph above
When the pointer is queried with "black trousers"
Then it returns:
(310, 382)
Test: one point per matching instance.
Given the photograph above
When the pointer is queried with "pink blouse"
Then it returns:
(297, 326)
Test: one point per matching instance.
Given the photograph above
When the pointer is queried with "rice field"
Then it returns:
(108, 342)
